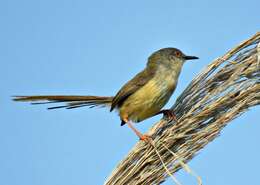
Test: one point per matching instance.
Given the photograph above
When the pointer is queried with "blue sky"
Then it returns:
(93, 48)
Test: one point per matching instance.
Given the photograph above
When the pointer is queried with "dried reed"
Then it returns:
(221, 92)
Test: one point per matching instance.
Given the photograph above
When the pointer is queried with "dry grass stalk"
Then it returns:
(221, 92)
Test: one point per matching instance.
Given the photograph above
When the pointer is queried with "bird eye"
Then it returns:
(178, 54)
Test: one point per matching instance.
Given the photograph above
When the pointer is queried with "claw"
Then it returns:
(169, 114)
(142, 137)
(145, 138)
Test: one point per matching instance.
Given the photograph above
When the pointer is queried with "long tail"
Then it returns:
(70, 101)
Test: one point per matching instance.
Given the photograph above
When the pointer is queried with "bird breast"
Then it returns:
(150, 98)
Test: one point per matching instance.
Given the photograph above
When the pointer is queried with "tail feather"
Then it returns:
(70, 101)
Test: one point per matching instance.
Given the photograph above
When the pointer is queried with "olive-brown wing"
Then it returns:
(132, 86)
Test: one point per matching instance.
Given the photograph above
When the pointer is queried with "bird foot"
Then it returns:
(142, 137)
(169, 114)
(146, 138)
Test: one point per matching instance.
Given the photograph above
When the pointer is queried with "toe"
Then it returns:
(145, 137)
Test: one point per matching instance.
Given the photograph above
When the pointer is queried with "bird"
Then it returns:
(142, 97)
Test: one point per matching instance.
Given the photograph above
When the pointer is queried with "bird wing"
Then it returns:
(132, 86)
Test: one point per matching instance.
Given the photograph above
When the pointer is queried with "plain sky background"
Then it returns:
(92, 48)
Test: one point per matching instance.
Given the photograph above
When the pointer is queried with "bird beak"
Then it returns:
(190, 57)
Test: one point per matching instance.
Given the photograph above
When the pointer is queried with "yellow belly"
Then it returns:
(148, 100)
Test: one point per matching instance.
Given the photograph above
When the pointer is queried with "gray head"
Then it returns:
(168, 62)
(171, 54)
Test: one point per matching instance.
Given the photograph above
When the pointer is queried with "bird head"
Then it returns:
(170, 57)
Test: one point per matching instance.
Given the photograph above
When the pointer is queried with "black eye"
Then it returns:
(177, 54)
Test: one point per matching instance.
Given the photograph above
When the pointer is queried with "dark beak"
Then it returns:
(190, 57)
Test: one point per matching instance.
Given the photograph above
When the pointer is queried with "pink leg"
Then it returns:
(141, 136)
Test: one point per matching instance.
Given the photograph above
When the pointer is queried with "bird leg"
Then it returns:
(169, 114)
(141, 136)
